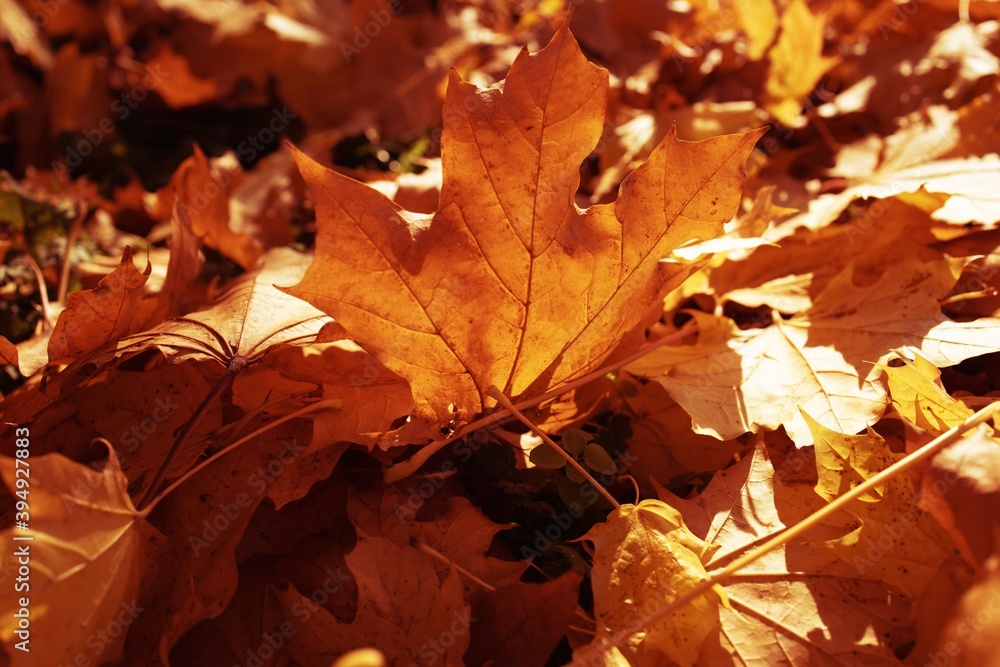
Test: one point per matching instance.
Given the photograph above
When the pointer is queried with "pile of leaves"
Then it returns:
(541, 333)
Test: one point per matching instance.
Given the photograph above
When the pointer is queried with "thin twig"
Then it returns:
(505, 402)
(437, 555)
(236, 364)
(71, 236)
(788, 534)
(404, 469)
(43, 291)
(319, 405)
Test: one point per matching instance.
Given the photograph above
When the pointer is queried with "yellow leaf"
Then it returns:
(895, 542)
(644, 558)
(797, 62)
(837, 454)
(916, 392)
(798, 604)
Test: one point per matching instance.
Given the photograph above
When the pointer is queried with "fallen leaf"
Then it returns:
(8, 352)
(760, 22)
(799, 603)
(960, 489)
(894, 542)
(204, 521)
(181, 87)
(372, 397)
(917, 394)
(95, 318)
(663, 445)
(972, 635)
(644, 557)
(522, 623)
(24, 36)
(203, 193)
(465, 300)
(249, 318)
(403, 610)
(797, 62)
(458, 530)
(87, 544)
(821, 360)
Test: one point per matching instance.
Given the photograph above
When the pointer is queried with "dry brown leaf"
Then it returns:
(522, 623)
(204, 520)
(971, 637)
(403, 610)
(372, 397)
(663, 445)
(961, 490)
(183, 267)
(204, 195)
(180, 87)
(510, 284)
(8, 352)
(249, 318)
(459, 530)
(95, 318)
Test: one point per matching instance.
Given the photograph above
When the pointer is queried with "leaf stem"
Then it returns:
(505, 402)
(404, 469)
(437, 555)
(71, 237)
(785, 536)
(236, 364)
(318, 405)
(42, 291)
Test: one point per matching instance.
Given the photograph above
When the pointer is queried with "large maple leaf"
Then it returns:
(509, 283)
